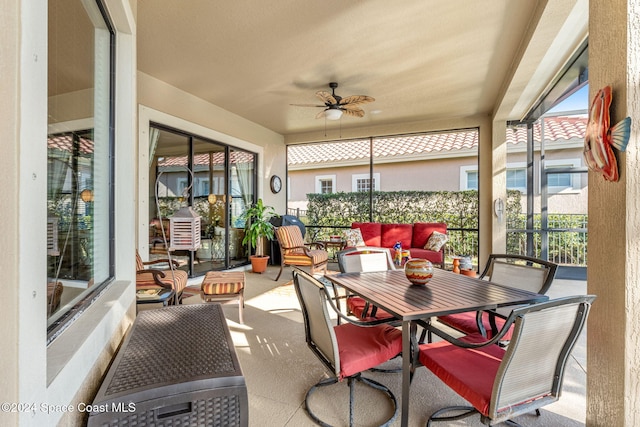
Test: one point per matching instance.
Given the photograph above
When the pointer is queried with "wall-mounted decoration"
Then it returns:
(600, 137)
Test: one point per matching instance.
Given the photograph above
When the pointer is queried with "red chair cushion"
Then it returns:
(422, 231)
(356, 306)
(435, 257)
(363, 348)
(469, 372)
(466, 323)
(392, 233)
(371, 232)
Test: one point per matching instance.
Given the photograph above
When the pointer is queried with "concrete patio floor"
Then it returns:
(279, 368)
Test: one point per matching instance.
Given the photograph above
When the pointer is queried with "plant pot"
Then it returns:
(204, 251)
(259, 263)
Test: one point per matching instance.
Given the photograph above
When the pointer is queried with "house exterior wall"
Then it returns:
(438, 174)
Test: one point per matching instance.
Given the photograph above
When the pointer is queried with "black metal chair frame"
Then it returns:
(351, 381)
(551, 269)
(517, 318)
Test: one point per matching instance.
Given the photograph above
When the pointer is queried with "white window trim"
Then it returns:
(356, 177)
(320, 178)
(464, 171)
(576, 178)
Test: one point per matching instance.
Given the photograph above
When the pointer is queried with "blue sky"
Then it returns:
(577, 101)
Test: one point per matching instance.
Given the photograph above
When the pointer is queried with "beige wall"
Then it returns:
(436, 174)
(613, 334)
(9, 171)
(162, 103)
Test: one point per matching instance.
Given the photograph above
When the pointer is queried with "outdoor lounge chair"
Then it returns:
(502, 384)
(516, 271)
(172, 278)
(293, 250)
(346, 349)
(360, 260)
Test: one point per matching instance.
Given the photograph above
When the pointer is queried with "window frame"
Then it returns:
(576, 178)
(319, 180)
(58, 323)
(361, 176)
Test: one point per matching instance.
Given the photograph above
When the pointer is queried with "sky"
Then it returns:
(577, 101)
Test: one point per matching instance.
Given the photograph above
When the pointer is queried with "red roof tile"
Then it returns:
(555, 128)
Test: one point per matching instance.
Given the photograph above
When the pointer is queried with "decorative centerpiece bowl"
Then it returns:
(419, 271)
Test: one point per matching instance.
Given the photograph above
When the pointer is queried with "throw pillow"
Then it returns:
(353, 238)
(436, 241)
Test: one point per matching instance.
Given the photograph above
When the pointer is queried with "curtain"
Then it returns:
(154, 135)
(244, 169)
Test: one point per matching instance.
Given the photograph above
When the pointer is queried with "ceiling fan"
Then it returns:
(335, 105)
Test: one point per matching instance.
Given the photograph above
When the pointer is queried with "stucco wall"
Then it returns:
(613, 351)
(442, 174)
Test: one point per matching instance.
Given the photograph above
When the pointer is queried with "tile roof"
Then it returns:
(555, 129)
(203, 159)
(65, 142)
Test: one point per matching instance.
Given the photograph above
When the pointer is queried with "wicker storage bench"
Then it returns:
(177, 367)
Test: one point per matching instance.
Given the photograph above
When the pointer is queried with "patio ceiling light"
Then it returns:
(333, 114)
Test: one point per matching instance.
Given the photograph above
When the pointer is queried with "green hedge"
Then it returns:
(458, 209)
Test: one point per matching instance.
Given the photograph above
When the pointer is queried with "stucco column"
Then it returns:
(613, 346)
(493, 175)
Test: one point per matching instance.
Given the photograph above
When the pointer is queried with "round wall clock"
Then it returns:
(276, 184)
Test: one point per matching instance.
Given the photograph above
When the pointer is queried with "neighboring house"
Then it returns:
(445, 161)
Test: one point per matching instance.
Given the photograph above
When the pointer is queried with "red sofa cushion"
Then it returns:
(364, 348)
(391, 233)
(469, 372)
(434, 257)
(371, 232)
(422, 231)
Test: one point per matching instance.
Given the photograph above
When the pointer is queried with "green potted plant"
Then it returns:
(257, 229)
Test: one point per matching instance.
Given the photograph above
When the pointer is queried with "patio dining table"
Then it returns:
(445, 293)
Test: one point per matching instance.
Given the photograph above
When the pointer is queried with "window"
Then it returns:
(325, 184)
(565, 181)
(362, 182)
(469, 177)
(516, 178)
(79, 159)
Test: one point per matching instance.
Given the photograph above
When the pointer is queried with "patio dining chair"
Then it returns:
(293, 250)
(501, 384)
(516, 271)
(362, 260)
(345, 350)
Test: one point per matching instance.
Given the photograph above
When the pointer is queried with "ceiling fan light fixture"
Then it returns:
(333, 114)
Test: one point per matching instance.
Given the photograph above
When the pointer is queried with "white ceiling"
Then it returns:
(420, 59)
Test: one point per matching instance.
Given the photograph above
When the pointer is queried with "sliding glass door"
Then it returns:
(216, 181)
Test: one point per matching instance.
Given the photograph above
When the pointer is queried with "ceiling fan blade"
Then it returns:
(320, 115)
(356, 100)
(326, 97)
(354, 112)
(308, 105)
(353, 107)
